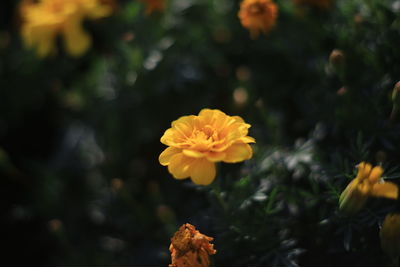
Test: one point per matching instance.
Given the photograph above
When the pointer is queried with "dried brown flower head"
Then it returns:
(190, 248)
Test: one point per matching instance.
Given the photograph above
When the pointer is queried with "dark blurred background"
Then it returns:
(79, 137)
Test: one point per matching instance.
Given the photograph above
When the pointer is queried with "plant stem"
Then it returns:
(217, 193)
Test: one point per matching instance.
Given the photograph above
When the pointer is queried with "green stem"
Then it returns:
(215, 189)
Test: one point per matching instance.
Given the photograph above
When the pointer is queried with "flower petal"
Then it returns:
(238, 119)
(209, 113)
(77, 41)
(238, 152)
(248, 139)
(46, 44)
(184, 124)
(352, 198)
(364, 170)
(235, 131)
(387, 190)
(167, 154)
(216, 156)
(221, 146)
(179, 166)
(43, 37)
(202, 172)
(375, 174)
(168, 137)
(99, 11)
(184, 129)
(193, 153)
(213, 117)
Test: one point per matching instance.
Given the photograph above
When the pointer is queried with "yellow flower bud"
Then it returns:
(367, 183)
(390, 235)
(352, 199)
(336, 58)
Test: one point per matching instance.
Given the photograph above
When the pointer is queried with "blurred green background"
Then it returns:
(79, 137)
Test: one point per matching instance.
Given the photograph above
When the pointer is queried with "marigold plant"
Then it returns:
(196, 143)
(190, 248)
(258, 16)
(43, 21)
(154, 6)
(367, 183)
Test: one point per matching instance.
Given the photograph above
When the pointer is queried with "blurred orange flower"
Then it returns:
(367, 183)
(45, 19)
(154, 6)
(190, 248)
(197, 142)
(258, 16)
(317, 3)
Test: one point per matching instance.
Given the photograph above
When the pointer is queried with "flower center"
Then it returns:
(203, 139)
(256, 9)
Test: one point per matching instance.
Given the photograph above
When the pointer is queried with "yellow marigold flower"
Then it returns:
(390, 235)
(45, 19)
(154, 6)
(190, 248)
(258, 16)
(368, 183)
(324, 4)
(196, 143)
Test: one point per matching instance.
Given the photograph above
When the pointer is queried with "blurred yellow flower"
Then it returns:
(258, 16)
(154, 6)
(190, 248)
(317, 3)
(44, 20)
(368, 183)
(390, 235)
(197, 142)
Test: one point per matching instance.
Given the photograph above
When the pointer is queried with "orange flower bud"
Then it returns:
(258, 16)
(190, 248)
(55, 225)
(336, 57)
(358, 19)
(342, 91)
